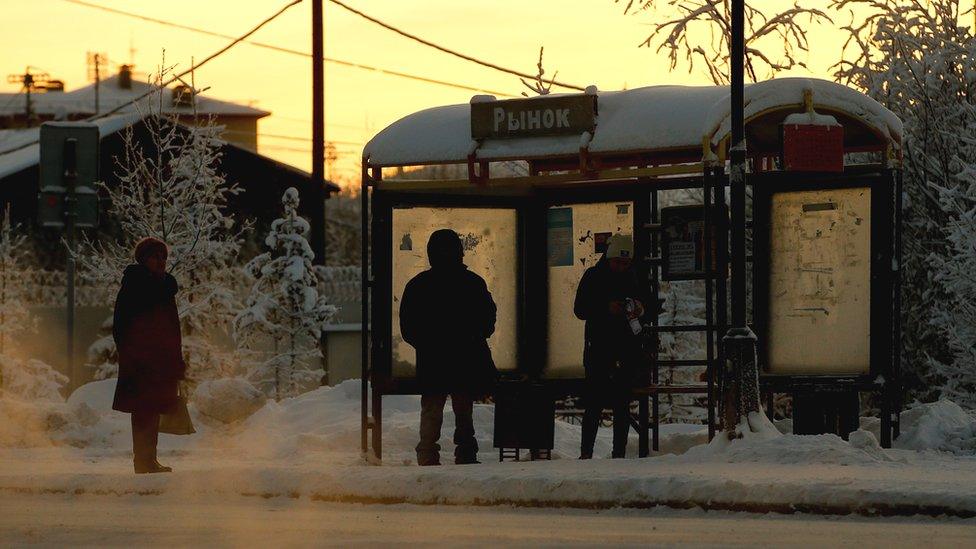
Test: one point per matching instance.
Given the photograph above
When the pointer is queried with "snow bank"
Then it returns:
(227, 400)
(309, 446)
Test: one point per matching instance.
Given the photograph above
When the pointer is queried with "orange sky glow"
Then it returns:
(587, 41)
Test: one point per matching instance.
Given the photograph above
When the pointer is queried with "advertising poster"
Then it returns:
(560, 237)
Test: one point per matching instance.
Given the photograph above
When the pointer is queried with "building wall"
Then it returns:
(239, 130)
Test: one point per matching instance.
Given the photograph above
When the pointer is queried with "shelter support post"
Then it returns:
(896, 282)
(644, 212)
(377, 427)
(710, 276)
(364, 302)
(656, 293)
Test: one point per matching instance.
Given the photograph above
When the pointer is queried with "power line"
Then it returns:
(289, 137)
(175, 78)
(448, 50)
(289, 50)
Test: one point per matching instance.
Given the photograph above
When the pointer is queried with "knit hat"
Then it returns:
(620, 246)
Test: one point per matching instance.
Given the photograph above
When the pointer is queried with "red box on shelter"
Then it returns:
(813, 148)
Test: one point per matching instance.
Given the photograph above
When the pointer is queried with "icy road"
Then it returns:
(164, 521)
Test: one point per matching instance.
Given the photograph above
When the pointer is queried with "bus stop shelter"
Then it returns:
(549, 178)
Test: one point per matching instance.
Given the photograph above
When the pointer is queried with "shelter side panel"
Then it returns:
(490, 250)
(820, 282)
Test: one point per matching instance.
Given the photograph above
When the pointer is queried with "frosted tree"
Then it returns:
(697, 31)
(284, 310)
(25, 377)
(170, 187)
(919, 60)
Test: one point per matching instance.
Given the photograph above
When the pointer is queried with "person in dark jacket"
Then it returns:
(447, 315)
(146, 329)
(609, 299)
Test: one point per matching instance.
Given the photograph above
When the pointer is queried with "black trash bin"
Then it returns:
(525, 413)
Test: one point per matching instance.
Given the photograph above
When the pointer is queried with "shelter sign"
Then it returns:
(534, 117)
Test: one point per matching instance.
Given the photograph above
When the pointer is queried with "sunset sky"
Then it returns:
(587, 41)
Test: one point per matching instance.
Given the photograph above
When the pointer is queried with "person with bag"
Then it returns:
(610, 301)
(447, 314)
(147, 335)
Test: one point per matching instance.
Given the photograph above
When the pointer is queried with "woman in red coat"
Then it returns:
(146, 330)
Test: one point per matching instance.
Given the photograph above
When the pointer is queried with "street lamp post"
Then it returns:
(739, 341)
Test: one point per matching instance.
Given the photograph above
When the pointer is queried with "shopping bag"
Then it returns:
(177, 421)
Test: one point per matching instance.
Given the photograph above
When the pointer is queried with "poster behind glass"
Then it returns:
(820, 282)
(489, 239)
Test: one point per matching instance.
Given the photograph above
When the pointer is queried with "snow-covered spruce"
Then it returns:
(284, 310)
(918, 60)
(174, 191)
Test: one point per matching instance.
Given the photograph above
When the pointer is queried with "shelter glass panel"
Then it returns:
(490, 250)
(820, 282)
(576, 240)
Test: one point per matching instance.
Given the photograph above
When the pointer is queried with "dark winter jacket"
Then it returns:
(447, 314)
(146, 330)
(607, 337)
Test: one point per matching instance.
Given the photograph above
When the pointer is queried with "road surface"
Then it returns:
(103, 521)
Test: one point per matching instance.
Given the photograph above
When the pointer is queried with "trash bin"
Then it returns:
(525, 413)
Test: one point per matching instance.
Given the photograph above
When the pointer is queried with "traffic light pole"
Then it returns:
(70, 180)
(739, 341)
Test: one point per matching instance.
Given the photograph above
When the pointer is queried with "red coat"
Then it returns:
(147, 335)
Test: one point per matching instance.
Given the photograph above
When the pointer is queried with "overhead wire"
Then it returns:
(282, 49)
(449, 51)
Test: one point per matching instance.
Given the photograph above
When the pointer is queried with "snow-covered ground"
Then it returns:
(73, 521)
(309, 447)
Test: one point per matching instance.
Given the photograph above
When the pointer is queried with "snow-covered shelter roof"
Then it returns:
(649, 119)
(111, 95)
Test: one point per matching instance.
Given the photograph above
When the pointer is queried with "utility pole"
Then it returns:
(30, 81)
(95, 61)
(739, 341)
(317, 207)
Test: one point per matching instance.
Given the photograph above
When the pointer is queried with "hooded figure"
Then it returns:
(447, 315)
(146, 329)
(612, 352)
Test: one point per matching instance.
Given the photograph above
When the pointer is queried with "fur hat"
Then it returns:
(620, 246)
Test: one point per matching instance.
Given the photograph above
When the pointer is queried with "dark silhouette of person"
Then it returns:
(612, 351)
(447, 314)
(146, 329)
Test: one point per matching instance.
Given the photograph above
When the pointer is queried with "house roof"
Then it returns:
(20, 149)
(655, 118)
(110, 95)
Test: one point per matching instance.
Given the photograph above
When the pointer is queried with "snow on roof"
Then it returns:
(22, 157)
(783, 92)
(24, 150)
(111, 95)
(652, 118)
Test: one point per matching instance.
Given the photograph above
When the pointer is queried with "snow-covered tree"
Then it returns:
(170, 187)
(919, 60)
(284, 309)
(27, 378)
(683, 22)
